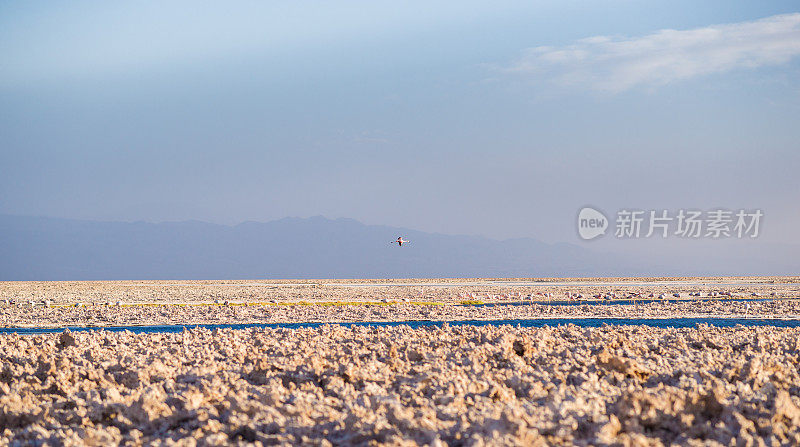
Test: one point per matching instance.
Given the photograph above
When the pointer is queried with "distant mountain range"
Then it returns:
(38, 248)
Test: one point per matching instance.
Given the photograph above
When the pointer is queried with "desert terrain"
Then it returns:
(459, 384)
(439, 290)
(397, 386)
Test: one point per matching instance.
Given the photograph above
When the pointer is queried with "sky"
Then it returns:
(493, 118)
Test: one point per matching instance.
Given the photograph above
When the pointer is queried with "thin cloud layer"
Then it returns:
(614, 64)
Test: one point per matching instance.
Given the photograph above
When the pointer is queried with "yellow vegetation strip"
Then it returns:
(261, 303)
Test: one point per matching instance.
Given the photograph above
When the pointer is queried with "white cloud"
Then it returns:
(614, 64)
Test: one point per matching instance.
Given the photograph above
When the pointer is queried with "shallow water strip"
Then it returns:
(537, 322)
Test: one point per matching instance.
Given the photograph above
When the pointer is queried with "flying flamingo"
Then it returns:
(400, 241)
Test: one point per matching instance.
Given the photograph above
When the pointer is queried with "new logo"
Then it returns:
(591, 223)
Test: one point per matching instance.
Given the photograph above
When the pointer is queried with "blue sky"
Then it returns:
(494, 118)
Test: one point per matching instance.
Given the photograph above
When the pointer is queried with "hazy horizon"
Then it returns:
(38, 248)
(499, 120)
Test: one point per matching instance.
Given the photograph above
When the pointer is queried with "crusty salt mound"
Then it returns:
(400, 386)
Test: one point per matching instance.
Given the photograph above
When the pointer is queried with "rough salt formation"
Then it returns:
(99, 315)
(400, 386)
(439, 290)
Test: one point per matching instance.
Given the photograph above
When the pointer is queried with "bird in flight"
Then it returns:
(400, 241)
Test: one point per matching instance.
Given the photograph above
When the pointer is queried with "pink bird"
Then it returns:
(400, 241)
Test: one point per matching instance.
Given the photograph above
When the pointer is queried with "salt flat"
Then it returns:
(447, 290)
(400, 386)
(164, 314)
(369, 385)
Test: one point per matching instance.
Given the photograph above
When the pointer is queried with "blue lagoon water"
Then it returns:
(537, 322)
(620, 302)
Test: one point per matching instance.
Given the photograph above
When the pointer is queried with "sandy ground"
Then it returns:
(436, 290)
(402, 386)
